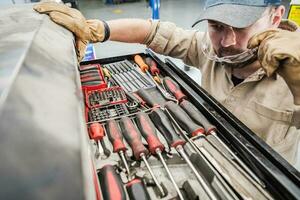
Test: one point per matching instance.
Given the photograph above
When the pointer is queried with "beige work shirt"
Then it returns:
(264, 104)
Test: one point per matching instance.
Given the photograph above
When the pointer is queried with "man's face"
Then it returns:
(228, 40)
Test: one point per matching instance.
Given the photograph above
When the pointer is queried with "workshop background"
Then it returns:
(177, 11)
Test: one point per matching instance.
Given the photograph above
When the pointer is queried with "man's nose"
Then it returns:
(229, 37)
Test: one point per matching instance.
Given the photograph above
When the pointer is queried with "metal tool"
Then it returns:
(107, 96)
(210, 129)
(153, 69)
(115, 136)
(133, 137)
(96, 132)
(148, 131)
(131, 67)
(174, 88)
(209, 161)
(144, 67)
(163, 124)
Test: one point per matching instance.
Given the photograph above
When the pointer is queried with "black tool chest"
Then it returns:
(229, 162)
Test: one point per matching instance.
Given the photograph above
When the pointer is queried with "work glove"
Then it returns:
(84, 30)
(279, 51)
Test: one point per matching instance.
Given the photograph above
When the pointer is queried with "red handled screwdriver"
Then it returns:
(148, 131)
(184, 119)
(153, 66)
(96, 132)
(133, 137)
(174, 88)
(199, 118)
(111, 184)
(165, 127)
(153, 69)
(116, 139)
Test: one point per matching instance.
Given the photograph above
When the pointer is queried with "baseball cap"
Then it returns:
(235, 13)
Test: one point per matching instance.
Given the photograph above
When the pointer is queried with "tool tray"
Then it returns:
(92, 71)
(278, 178)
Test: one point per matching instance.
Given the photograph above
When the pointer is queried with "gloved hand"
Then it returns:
(84, 30)
(279, 51)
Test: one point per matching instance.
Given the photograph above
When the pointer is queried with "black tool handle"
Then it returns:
(197, 116)
(136, 190)
(183, 119)
(133, 137)
(163, 124)
(111, 184)
(148, 131)
(150, 100)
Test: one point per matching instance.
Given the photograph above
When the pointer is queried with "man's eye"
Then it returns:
(216, 26)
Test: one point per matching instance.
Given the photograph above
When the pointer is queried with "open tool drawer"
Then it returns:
(222, 159)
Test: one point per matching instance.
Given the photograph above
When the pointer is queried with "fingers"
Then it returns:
(46, 7)
(63, 20)
(256, 40)
(80, 48)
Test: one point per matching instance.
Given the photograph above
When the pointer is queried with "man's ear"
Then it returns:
(277, 15)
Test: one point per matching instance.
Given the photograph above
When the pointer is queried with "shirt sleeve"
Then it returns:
(168, 39)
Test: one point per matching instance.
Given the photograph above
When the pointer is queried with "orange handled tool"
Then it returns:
(139, 60)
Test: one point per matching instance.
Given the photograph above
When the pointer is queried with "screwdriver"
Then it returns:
(133, 137)
(108, 77)
(116, 139)
(199, 118)
(136, 190)
(181, 117)
(153, 69)
(111, 184)
(144, 67)
(174, 88)
(148, 131)
(165, 127)
(147, 98)
(96, 133)
(192, 128)
(184, 119)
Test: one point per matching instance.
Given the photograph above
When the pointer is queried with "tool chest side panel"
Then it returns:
(43, 141)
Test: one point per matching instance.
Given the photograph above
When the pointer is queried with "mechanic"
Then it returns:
(249, 58)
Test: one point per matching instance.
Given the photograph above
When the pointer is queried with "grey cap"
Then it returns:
(235, 13)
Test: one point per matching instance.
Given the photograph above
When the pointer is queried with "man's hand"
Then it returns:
(84, 30)
(279, 51)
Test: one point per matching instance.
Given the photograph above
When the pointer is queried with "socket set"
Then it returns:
(107, 112)
(152, 141)
(104, 97)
